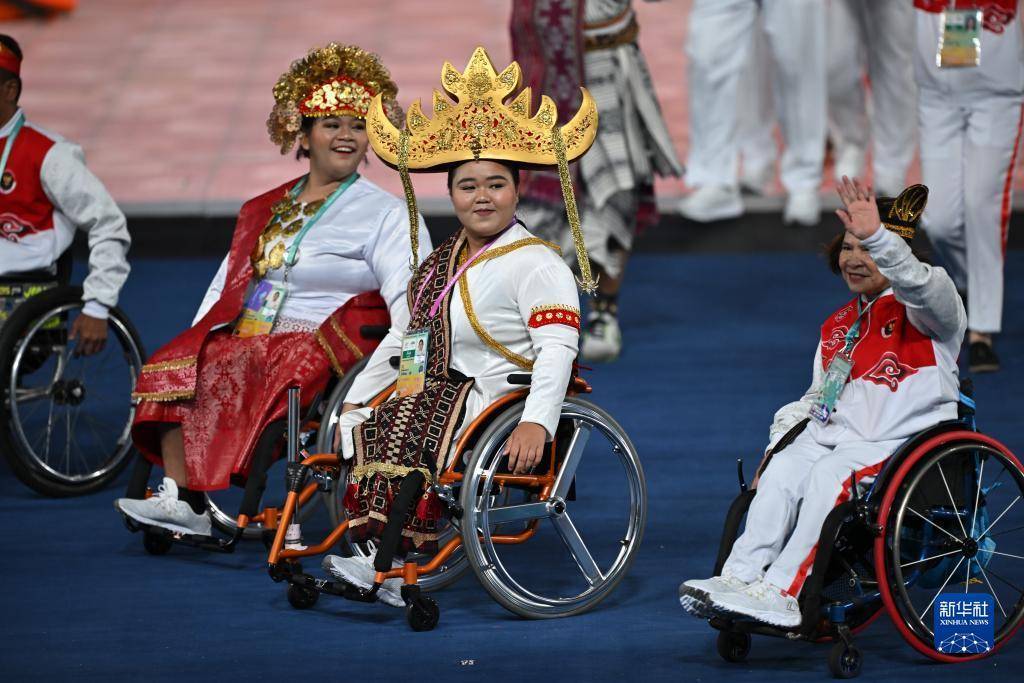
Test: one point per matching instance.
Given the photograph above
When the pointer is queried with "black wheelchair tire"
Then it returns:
(21, 318)
(733, 646)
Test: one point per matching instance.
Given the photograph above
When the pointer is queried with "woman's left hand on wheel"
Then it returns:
(90, 334)
(525, 447)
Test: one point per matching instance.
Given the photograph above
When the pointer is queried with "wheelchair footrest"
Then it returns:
(210, 543)
(283, 572)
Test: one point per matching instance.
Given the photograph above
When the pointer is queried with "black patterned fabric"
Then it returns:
(410, 433)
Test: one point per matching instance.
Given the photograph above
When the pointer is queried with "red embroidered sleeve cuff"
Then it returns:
(549, 315)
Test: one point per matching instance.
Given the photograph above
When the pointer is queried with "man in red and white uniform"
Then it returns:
(970, 122)
(46, 193)
(903, 332)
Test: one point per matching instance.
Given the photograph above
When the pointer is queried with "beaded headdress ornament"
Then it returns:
(336, 80)
(479, 124)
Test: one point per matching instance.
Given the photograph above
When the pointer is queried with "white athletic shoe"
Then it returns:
(712, 203)
(694, 595)
(762, 602)
(602, 338)
(163, 509)
(849, 163)
(802, 207)
(755, 180)
(359, 572)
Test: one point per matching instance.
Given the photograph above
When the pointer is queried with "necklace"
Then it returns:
(287, 217)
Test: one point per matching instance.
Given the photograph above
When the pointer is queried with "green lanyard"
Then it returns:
(19, 121)
(289, 259)
(851, 336)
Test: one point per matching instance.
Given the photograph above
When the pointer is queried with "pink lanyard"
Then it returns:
(451, 283)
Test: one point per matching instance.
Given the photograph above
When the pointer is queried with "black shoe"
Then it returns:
(982, 358)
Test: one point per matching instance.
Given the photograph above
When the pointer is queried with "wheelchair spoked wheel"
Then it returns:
(65, 427)
(573, 575)
(952, 521)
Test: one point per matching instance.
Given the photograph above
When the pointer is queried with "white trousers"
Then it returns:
(718, 47)
(873, 36)
(800, 486)
(755, 126)
(970, 122)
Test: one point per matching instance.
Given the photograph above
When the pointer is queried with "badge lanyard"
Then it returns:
(412, 366)
(19, 121)
(959, 38)
(838, 371)
(267, 297)
(290, 255)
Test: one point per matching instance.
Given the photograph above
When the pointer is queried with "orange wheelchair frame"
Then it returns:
(422, 612)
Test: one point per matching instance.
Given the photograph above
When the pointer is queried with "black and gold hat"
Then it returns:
(902, 214)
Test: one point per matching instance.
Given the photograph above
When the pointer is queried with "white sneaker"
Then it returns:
(762, 602)
(802, 207)
(712, 203)
(359, 572)
(163, 509)
(694, 594)
(849, 163)
(602, 338)
(755, 179)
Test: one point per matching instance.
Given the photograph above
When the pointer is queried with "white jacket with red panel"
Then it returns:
(904, 377)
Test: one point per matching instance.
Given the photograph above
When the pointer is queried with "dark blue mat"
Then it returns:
(714, 345)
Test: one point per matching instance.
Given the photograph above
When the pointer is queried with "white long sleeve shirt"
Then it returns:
(361, 243)
(507, 294)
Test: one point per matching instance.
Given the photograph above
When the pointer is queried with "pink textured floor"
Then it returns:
(170, 97)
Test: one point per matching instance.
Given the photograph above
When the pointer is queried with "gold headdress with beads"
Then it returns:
(480, 125)
(335, 80)
(901, 215)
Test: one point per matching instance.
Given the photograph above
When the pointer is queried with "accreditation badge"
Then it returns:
(960, 42)
(261, 309)
(412, 367)
(831, 387)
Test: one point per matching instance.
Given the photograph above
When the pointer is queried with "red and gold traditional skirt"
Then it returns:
(241, 387)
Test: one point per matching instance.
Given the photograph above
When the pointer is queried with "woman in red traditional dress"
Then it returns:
(286, 304)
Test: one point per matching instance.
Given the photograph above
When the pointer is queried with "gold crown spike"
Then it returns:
(474, 122)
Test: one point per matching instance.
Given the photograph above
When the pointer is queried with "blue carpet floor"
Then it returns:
(715, 343)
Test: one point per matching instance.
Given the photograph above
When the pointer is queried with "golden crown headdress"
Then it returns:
(335, 80)
(479, 124)
(901, 215)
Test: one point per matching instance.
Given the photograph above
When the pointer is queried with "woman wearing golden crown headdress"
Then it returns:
(885, 369)
(491, 301)
(288, 301)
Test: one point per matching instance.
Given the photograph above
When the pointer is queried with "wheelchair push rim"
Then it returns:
(65, 391)
(973, 531)
(482, 515)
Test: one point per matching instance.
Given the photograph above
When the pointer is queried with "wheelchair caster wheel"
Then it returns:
(422, 614)
(844, 661)
(733, 646)
(156, 544)
(301, 597)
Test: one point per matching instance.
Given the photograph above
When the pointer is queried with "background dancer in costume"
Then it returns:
(970, 118)
(561, 45)
(206, 397)
(46, 193)
(491, 301)
(885, 369)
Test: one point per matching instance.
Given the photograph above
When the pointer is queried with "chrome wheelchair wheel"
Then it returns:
(448, 573)
(66, 419)
(953, 522)
(558, 573)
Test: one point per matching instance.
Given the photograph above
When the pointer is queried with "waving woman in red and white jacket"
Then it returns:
(885, 368)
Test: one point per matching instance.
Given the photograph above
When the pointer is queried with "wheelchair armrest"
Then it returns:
(519, 378)
(377, 332)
